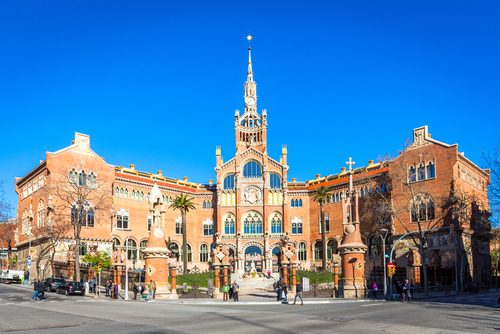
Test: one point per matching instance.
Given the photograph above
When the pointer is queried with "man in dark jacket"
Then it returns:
(35, 287)
(41, 290)
(406, 291)
(298, 293)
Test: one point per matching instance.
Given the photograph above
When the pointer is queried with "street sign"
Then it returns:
(29, 263)
(29, 257)
(42, 266)
(390, 265)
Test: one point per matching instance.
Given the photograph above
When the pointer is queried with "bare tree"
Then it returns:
(396, 198)
(47, 238)
(492, 162)
(82, 196)
(6, 228)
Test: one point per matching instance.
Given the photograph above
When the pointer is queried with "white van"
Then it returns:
(11, 276)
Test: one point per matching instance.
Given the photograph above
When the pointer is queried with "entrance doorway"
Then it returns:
(253, 254)
(276, 260)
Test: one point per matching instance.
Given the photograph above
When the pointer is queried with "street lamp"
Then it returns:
(126, 265)
(29, 256)
(383, 233)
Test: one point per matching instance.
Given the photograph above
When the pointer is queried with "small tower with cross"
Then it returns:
(352, 249)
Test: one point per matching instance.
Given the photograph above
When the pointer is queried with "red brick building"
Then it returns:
(253, 203)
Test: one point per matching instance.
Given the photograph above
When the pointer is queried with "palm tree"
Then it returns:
(184, 204)
(320, 197)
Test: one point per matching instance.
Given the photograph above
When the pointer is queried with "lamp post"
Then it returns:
(383, 233)
(2, 254)
(126, 266)
(29, 256)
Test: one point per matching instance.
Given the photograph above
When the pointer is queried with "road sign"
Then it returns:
(390, 265)
(29, 257)
(29, 263)
(42, 266)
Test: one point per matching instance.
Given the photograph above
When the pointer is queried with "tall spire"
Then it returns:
(249, 72)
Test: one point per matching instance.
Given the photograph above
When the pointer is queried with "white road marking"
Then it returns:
(370, 305)
(9, 303)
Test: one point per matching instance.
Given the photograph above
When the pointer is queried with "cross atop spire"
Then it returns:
(350, 163)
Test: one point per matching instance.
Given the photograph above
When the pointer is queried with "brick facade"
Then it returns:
(251, 189)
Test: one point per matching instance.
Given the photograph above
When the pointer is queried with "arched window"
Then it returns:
(122, 219)
(203, 253)
(83, 249)
(208, 227)
(337, 197)
(276, 224)
(82, 179)
(375, 245)
(252, 170)
(142, 247)
(82, 215)
(252, 224)
(133, 194)
(431, 172)
(41, 213)
(131, 248)
(116, 242)
(422, 208)
(72, 177)
(293, 203)
(300, 203)
(125, 193)
(229, 225)
(275, 181)
(302, 251)
(331, 248)
(189, 254)
(318, 250)
(413, 174)
(117, 192)
(229, 182)
(174, 248)
(178, 226)
(296, 226)
(204, 207)
(362, 192)
(421, 173)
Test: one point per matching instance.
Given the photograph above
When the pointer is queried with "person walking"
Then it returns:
(225, 292)
(285, 293)
(279, 291)
(298, 293)
(151, 288)
(41, 290)
(399, 290)
(136, 290)
(375, 288)
(35, 287)
(115, 291)
(26, 277)
(107, 286)
(236, 290)
(406, 291)
(112, 289)
(95, 286)
(231, 292)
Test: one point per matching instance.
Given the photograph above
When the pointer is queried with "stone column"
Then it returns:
(71, 264)
(353, 259)
(173, 288)
(336, 273)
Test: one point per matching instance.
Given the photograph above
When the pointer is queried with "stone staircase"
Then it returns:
(255, 285)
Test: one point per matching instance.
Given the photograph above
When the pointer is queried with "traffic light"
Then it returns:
(99, 266)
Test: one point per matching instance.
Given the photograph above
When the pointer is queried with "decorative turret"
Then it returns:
(250, 127)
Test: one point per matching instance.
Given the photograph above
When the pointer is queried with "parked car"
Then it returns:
(71, 288)
(51, 284)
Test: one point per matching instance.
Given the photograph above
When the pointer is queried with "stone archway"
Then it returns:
(253, 251)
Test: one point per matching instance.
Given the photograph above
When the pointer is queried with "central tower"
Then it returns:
(251, 128)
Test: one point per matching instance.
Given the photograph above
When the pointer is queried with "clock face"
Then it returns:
(250, 101)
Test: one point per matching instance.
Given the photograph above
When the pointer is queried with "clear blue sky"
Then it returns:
(156, 83)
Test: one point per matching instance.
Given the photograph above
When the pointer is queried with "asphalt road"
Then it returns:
(472, 313)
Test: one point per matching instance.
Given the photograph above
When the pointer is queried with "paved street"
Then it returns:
(474, 313)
